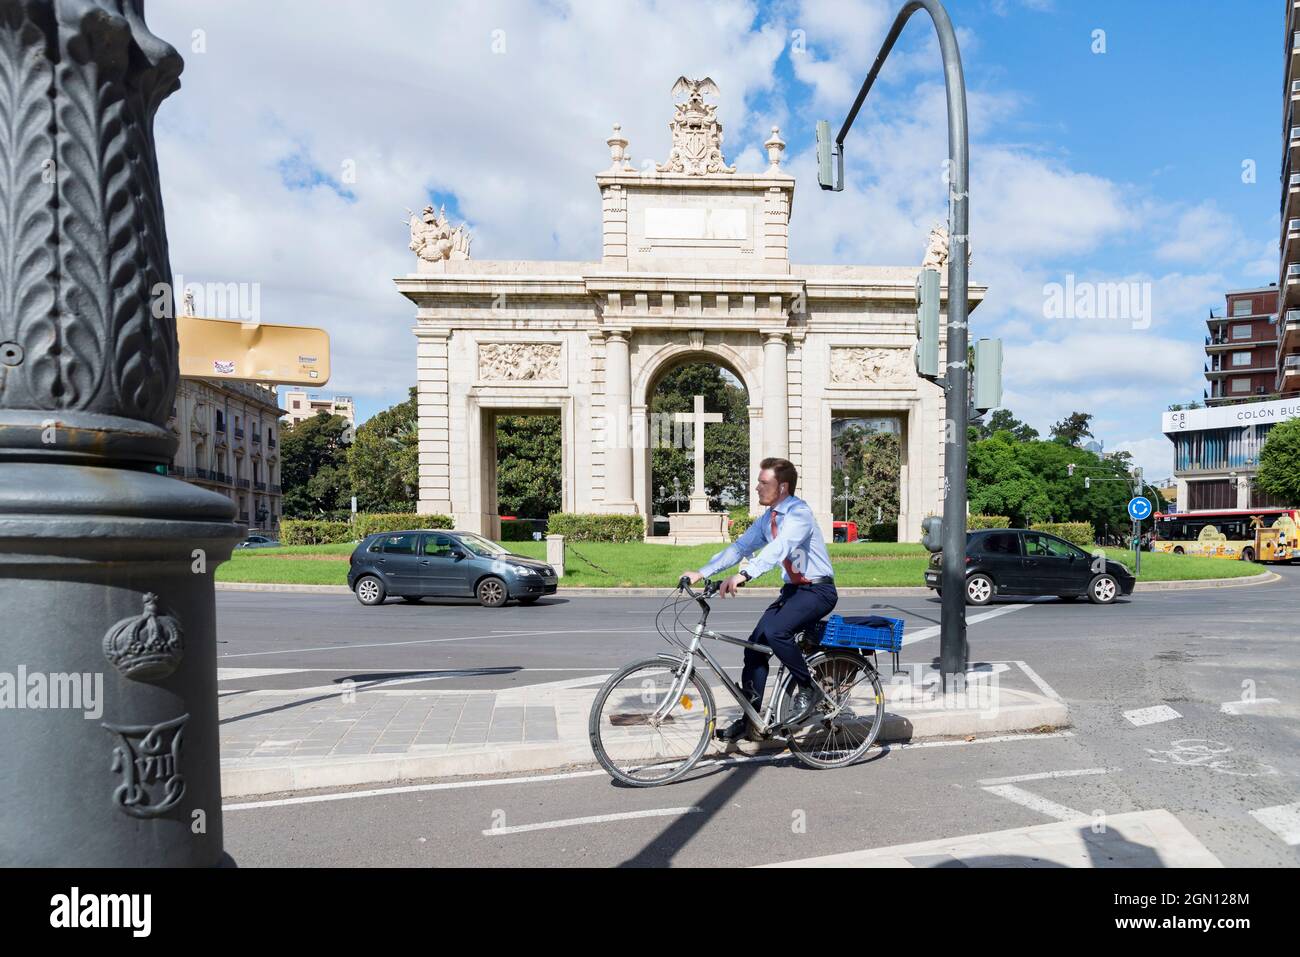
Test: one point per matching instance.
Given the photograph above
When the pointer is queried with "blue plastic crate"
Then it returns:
(838, 633)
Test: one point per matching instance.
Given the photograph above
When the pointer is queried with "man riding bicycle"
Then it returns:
(789, 536)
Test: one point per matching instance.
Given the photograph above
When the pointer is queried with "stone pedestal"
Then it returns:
(696, 527)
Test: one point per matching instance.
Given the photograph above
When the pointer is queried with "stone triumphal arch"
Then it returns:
(694, 265)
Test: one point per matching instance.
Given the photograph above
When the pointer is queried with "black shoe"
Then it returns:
(803, 704)
(734, 731)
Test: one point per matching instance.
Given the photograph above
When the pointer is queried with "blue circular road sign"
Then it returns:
(1139, 508)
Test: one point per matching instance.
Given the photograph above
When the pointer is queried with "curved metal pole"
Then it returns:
(953, 651)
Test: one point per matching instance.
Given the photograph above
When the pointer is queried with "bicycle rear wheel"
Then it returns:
(641, 737)
(850, 684)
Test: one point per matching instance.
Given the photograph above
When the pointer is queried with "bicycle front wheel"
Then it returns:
(646, 728)
(853, 709)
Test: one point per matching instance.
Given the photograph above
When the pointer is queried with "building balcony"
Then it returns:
(239, 433)
(1222, 343)
(1291, 285)
(241, 483)
(221, 426)
(1289, 332)
(259, 486)
(1213, 369)
(276, 489)
(257, 438)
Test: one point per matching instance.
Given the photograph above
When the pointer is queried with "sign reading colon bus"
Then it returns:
(1256, 534)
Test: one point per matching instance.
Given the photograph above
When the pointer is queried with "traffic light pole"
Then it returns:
(952, 642)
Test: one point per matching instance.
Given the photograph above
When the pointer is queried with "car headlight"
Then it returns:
(524, 570)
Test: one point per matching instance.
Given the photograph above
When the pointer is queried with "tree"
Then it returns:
(384, 460)
(1073, 429)
(1003, 421)
(314, 467)
(1279, 462)
(871, 462)
(529, 459)
(726, 463)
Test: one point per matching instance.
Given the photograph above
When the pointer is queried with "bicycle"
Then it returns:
(652, 721)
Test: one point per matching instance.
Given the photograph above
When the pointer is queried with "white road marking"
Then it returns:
(923, 633)
(233, 674)
(599, 772)
(1283, 820)
(1044, 775)
(1153, 715)
(371, 644)
(1237, 707)
(1043, 686)
(594, 819)
(1036, 803)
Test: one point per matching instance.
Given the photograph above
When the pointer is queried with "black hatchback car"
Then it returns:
(1013, 561)
(428, 563)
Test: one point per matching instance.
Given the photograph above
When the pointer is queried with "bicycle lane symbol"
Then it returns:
(1207, 753)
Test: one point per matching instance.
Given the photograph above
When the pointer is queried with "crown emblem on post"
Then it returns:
(145, 647)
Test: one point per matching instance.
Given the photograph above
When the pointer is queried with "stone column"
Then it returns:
(434, 424)
(776, 399)
(618, 405)
(106, 562)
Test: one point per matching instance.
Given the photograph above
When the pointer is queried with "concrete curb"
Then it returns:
(250, 778)
(847, 592)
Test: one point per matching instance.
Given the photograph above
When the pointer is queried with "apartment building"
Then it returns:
(229, 442)
(300, 406)
(1241, 348)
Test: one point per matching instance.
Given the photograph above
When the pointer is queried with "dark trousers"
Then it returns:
(797, 607)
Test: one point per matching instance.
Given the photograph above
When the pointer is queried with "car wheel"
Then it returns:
(491, 593)
(412, 599)
(531, 600)
(979, 590)
(370, 591)
(1248, 554)
(1103, 590)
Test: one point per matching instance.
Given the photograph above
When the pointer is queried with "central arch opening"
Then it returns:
(671, 441)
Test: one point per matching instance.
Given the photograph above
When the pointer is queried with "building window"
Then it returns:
(1241, 358)
(1240, 385)
(1242, 307)
(1241, 332)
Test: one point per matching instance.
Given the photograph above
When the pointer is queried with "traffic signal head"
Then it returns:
(825, 155)
(1087, 483)
(988, 374)
(927, 323)
(1069, 469)
(932, 533)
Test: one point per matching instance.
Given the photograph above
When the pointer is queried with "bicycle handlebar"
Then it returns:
(710, 588)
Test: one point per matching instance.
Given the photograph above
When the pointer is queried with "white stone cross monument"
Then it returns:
(698, 418)
(699, 524)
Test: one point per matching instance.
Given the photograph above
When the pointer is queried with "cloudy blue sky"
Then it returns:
(304, 130)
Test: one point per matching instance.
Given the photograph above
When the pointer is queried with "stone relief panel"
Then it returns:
(860, 365)
(520, 361)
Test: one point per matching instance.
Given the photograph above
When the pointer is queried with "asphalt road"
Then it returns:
(1191, 651)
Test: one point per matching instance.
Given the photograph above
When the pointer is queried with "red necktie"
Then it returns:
(796, 577)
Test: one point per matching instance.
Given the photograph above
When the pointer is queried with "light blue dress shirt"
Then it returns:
(798, 538)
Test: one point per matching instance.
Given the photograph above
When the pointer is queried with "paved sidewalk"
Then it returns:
(376, 731)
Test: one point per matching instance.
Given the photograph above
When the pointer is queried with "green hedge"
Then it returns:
(375, 522)
(516, 531)
(882, 532)
(740, 521)
(1078, 533)
(976, 522)
(596, 527)
(298, 531)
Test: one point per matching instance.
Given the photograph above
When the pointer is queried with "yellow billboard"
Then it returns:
(252, 351)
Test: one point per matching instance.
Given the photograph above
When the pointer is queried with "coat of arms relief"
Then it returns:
(697, 133)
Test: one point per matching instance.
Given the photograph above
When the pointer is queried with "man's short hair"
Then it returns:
(784, 470)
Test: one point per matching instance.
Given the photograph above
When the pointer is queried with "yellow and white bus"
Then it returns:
(1249, 534)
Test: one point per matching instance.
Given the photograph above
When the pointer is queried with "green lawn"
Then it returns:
(596, 564)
